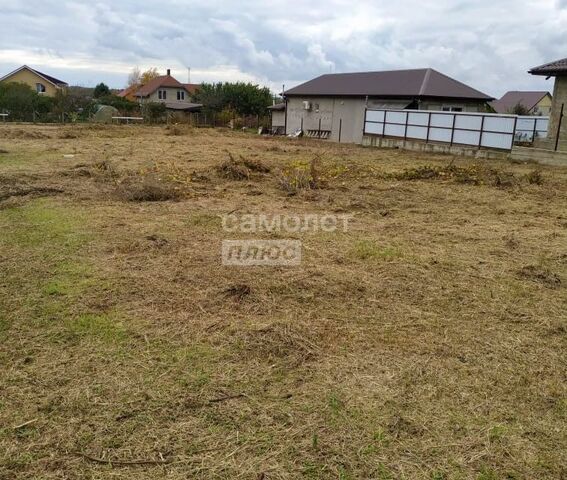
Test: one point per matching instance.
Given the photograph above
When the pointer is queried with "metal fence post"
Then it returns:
(428, 127)
(559, 127)
(480, 132)
(453, 129)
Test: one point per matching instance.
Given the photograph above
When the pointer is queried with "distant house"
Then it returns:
(557, 130)
(128, 93)
(535, 103)
(333, 105)
(40, 82)
(166, 89)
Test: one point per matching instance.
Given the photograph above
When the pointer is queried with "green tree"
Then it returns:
(519, 109)
(242, 98)
(22, 102)
(101, 90)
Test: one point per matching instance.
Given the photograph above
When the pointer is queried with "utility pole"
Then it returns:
(188, 74)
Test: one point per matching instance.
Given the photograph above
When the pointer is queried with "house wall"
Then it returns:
(31, 78)
(344, 116)
(473, 107)
(171, 95)
(543, 107)
(278, 118)
(559, 98)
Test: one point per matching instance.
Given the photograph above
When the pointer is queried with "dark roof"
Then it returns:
(558, 67)
(511, 99)
(54, 80)
(184, 106)
(159, 82)
(49, 78)
(277, 107)
(422, 82)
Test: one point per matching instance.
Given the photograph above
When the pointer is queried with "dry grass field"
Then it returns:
(428, 341)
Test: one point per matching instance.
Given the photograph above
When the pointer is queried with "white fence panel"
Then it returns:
(417, 132)
(375, 115)
(442, 120)
(396, 116)
(499, 124)
(418, 118)
(468, 122)
(440, 134)
(466, 137)
(473, 129)
(374, 128)
(529, 128)
(497, 140)
(394, 130)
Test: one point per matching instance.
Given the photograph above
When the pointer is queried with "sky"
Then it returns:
(487, 44)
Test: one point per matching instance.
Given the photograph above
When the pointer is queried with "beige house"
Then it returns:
(333, 106)
(557, 130)
(40, 82)
(166, 89)
(536, 103)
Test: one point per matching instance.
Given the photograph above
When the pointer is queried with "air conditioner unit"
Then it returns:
(306, 105)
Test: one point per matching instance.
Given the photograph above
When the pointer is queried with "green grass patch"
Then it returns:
(105, 327)
(370, 250)
(40, 224)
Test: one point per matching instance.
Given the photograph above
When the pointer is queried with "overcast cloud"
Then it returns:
(488, 44)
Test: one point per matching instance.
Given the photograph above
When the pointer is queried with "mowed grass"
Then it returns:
(426, 341)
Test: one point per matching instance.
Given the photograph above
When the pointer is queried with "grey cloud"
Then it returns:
(488, 44)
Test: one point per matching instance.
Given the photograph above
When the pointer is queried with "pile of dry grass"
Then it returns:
(240, 169)
(474, 174)
(298, 177)
(147, 189)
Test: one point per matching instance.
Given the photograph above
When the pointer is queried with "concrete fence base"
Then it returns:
(431, 147)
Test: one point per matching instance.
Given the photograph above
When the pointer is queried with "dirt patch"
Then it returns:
(23, 134)
(279, 341)
(540, 274)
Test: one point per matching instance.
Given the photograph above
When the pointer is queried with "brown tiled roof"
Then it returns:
(128, 91)
(159, 82)
(558, 67)
(192, 87)
(511, 99)
(423, 82)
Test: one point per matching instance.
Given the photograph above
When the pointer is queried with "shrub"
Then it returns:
(154, 111)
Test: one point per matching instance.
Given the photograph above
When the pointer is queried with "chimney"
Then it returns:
(168, 72)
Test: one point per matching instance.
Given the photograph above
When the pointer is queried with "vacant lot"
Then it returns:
(428, 341)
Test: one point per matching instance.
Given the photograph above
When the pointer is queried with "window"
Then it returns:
(40, 88)
(180, 95)
(452, 109)
(162, 94)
